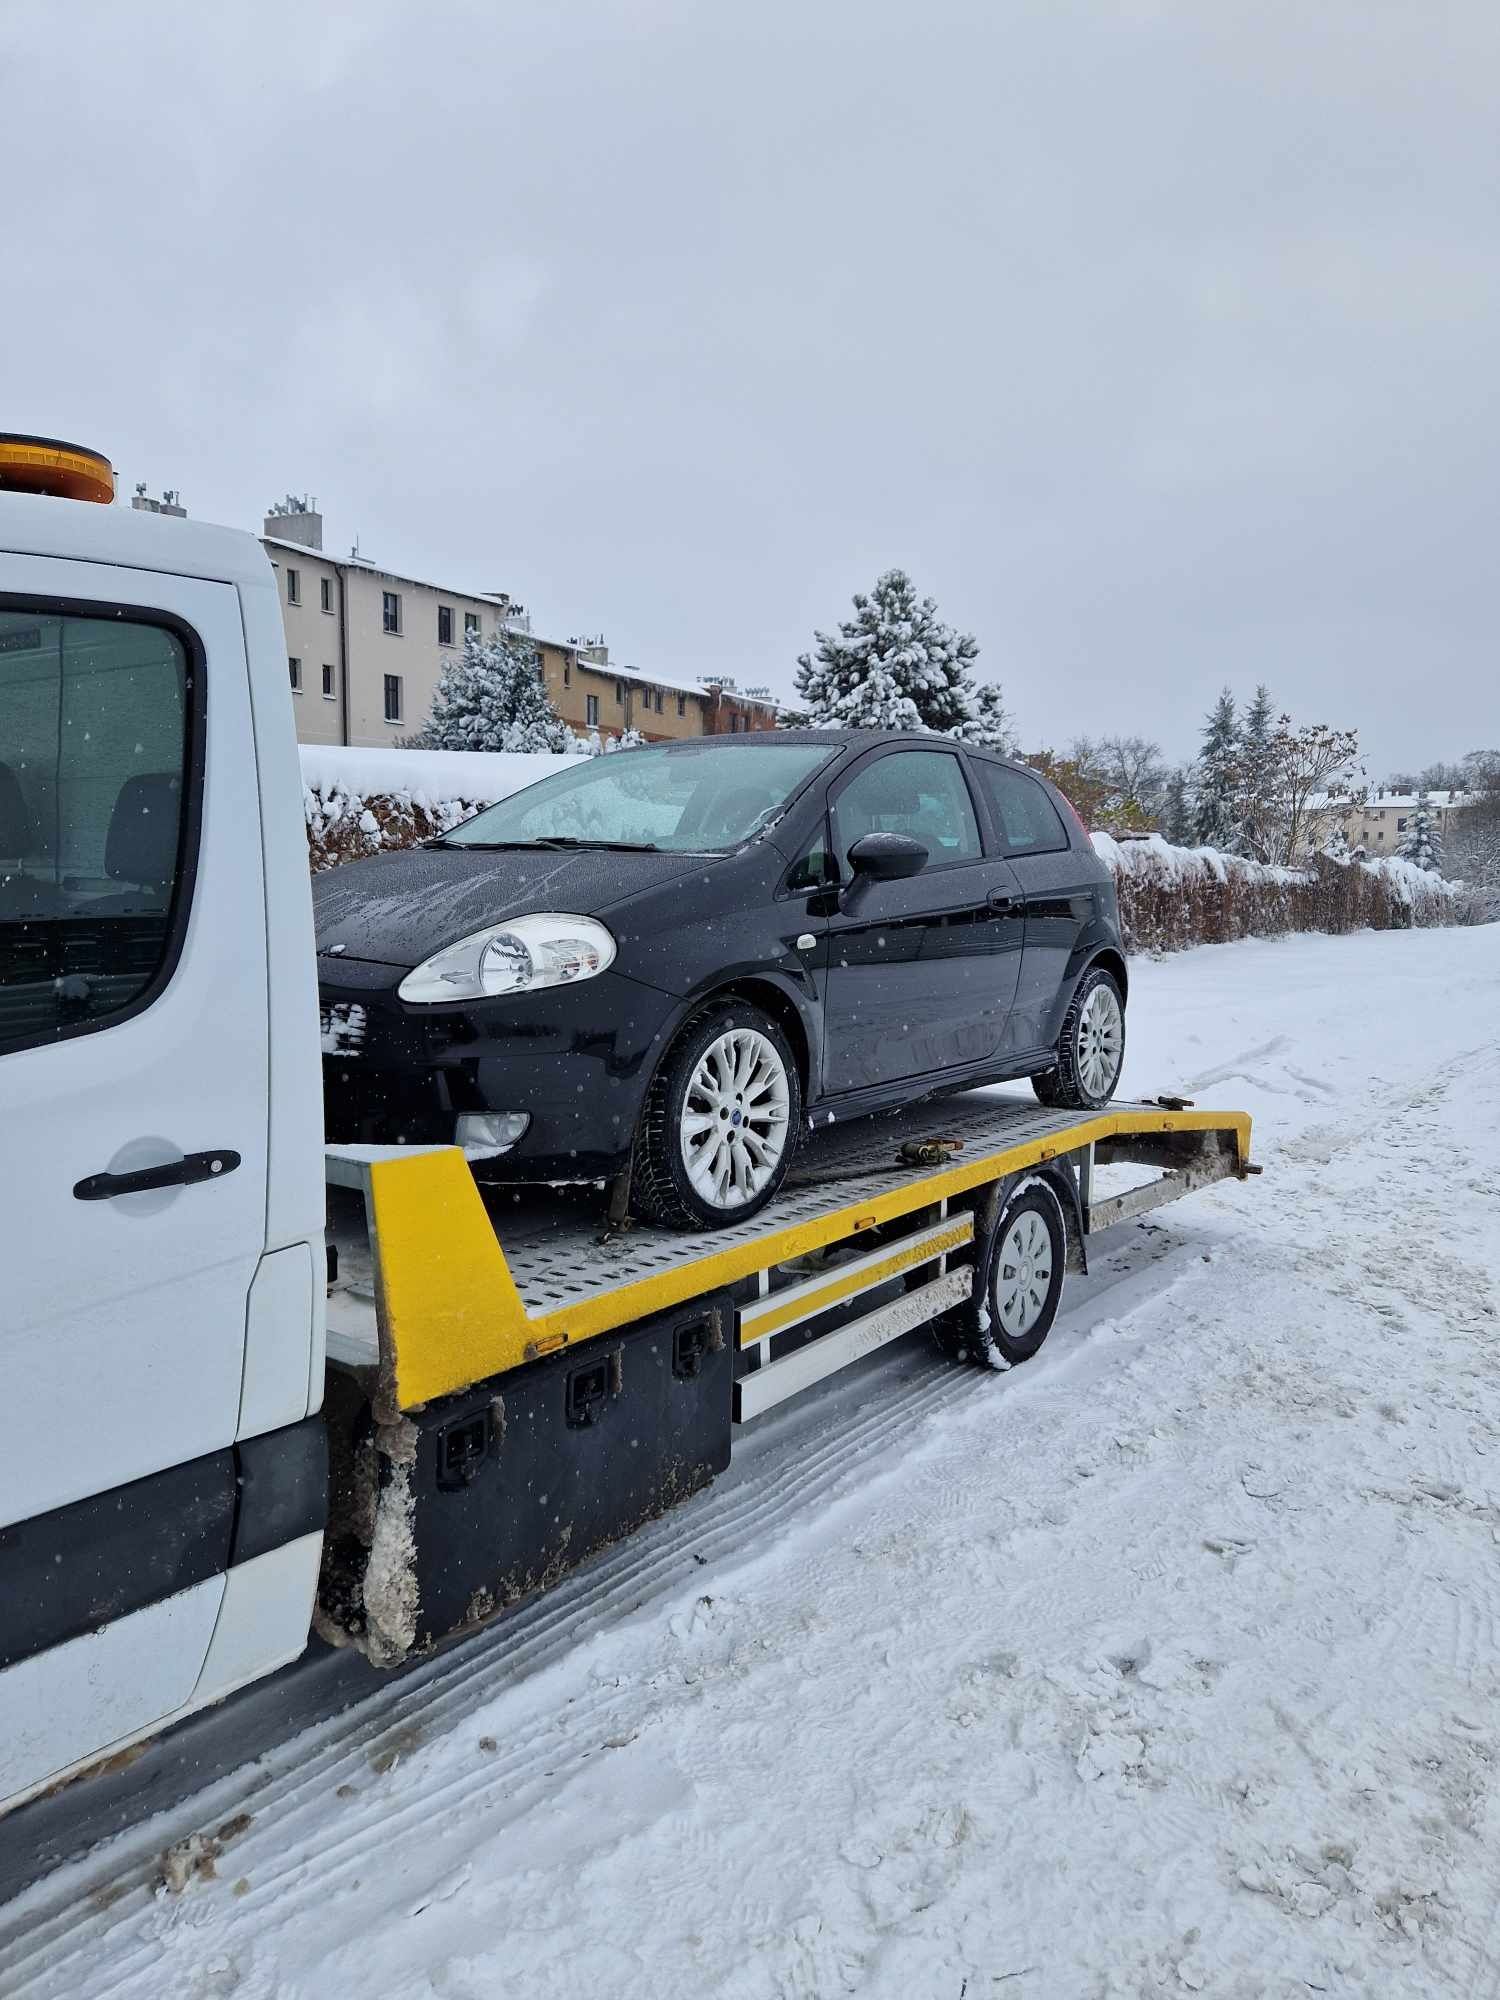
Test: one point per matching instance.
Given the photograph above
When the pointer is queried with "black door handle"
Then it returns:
(176, 1173)
(1001, 900)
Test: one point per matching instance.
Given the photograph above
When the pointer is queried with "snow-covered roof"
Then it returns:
(1405, 801)
(384, 569)
(612, 670)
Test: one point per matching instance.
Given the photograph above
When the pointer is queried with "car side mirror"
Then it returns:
(881, 857)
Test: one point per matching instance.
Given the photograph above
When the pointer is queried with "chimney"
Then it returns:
(295, 520)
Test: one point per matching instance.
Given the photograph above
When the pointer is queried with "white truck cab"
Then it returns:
(162, 1490)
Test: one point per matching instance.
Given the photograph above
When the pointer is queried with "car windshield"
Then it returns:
(687, 798)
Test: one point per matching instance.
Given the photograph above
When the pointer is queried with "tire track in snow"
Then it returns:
(734, 1518)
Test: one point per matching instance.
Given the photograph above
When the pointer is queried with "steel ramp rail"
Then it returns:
(455, 1285)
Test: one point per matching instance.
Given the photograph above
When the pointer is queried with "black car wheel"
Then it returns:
(1090, 1048)
(720, 1122)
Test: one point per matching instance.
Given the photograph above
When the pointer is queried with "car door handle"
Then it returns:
(176, 1173)
(1001, 899)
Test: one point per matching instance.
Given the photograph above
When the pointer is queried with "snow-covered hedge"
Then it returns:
(358, 802)
(1173, 897)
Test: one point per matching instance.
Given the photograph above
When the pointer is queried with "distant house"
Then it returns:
(1380, 821)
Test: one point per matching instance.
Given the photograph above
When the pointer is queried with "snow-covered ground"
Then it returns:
(1166, 1664)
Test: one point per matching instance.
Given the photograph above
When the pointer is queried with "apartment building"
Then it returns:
(729, 711)
(590, 692)
(1379, 824)
(366, 645)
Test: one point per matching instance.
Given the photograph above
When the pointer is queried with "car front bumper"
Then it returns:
(577, 1059)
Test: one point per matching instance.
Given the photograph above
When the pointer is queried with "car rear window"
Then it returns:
(1027, 820)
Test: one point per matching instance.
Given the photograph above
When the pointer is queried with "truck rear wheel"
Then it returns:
(1019, 1283)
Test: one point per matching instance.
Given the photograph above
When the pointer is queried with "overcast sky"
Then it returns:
(1159, 340)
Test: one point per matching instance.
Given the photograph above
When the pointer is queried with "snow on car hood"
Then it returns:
(397, 909)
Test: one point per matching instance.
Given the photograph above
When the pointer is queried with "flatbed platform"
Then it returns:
(443, 1284)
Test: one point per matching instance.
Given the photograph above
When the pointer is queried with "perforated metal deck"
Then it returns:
(557, 1261)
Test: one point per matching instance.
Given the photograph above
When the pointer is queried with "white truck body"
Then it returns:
(148, 1331)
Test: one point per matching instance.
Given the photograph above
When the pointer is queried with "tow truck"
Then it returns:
(266, 1396)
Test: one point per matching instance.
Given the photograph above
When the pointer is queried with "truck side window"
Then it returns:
(94, 777)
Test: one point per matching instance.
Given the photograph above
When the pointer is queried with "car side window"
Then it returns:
(94, 770)
(1027, 820)
(920, 792)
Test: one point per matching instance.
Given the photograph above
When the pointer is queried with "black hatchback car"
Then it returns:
(671, 961)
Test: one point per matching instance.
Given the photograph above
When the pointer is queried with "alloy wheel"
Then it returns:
(1101, 1042)
(735, 1118)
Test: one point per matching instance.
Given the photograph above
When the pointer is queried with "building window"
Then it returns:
(445, 624)
(294, 586)
(294, 668)
(619, 694)
(659, 699)
(325, 587)
(682, 704)
(471, 623)
(327, 682)
(591, 710)
(1401, 826)
(390, 610)
(393, 697)
(567, 673)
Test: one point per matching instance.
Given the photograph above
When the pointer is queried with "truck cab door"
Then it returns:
(133, 1141)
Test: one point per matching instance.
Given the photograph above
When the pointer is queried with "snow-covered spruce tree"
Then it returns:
(893, 665)
(1176, 813)
(987, 723)
(1257, 804)
(1216, 815)
(491, 697)
(1421, 842)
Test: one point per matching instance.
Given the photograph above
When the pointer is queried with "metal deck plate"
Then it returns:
(558, 1252)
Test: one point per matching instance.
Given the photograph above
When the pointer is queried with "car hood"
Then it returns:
(397, 909)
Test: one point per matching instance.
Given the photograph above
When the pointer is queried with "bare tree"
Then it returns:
(1129, 775)
(1471, 834)
(1314, 781)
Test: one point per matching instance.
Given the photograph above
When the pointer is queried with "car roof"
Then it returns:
(867, 739)
(849, 739)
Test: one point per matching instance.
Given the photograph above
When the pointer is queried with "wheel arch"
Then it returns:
(783, 1010)
(1113, 962)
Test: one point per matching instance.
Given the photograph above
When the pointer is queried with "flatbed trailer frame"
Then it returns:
(514, 1382)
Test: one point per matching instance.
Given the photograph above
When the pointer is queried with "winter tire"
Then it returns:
(1019, 1283)
(1090, 1048)
(720, 1123)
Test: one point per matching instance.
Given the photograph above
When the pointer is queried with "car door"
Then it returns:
(133, 1036)
(920, 976)
(1059, 883)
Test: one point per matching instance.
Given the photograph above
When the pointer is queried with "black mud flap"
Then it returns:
(459, 1510)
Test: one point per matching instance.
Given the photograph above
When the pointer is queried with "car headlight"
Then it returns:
(519, 957)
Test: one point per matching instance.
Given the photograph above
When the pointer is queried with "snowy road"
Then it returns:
(1166, 1664)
